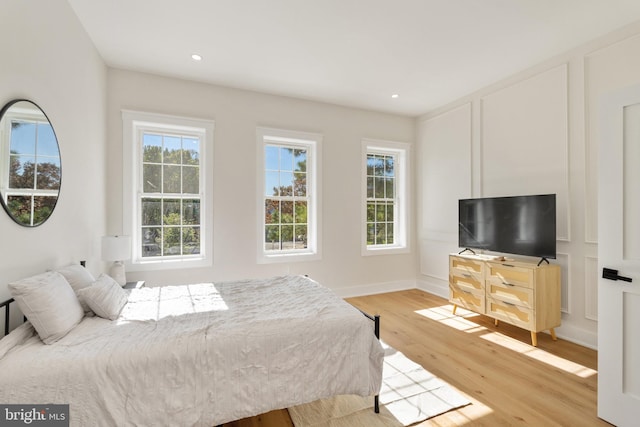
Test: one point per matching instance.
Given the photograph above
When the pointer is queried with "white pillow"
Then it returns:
(79, 278)
(50, 304)
(105, 297)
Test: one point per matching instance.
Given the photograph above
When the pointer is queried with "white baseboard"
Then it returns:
(433, 286)
(375, 288)
(578, 336)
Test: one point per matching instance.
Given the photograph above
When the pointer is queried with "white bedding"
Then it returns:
(201, 354)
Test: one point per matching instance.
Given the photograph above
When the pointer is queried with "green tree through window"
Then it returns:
(381, 195)
(170, 204)
(286, 198)
(34, 171)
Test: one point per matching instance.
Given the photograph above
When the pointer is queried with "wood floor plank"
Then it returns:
(509, 382)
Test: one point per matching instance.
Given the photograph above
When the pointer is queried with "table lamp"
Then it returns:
(116, 249)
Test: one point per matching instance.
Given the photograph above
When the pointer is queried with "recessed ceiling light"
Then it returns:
(196, 57)
(395, 95)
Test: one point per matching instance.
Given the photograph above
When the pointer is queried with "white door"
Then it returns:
(619, 249)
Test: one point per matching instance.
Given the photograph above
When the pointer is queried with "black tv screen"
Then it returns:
(522, 225)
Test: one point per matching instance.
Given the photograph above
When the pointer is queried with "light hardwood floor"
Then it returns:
(509, 382)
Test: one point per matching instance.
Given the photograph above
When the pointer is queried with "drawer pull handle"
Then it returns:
(508, 284)
(508, 265)
(509, 303)
(466, 275)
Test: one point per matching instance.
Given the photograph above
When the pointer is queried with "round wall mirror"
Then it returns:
(30, 165)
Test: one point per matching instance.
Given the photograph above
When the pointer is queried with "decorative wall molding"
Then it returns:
(590, 167)
(612, 58)
(591, 288)
(515, 147)
(564, 260)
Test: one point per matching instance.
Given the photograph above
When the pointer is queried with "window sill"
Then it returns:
(288, 257)
(385, 250)
(168, 264)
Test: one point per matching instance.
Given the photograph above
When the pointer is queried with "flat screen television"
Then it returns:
(521, 225)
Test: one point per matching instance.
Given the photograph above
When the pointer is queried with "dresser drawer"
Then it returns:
(466, 266)
(510, 274)
(518, 295)
(510, 313)
(470, 300)
(466, 281)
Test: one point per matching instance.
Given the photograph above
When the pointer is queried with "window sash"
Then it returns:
(291, 235)
(192, 238)
(290, 238)
(152, 235)
(384, 205)
(382, 228)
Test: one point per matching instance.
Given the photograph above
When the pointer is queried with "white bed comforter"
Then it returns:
(201, 354)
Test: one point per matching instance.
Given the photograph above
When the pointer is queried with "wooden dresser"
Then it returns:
(517, 292)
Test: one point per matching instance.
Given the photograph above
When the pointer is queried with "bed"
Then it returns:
(201, 354)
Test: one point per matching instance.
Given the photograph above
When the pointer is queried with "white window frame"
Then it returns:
(134, 123)
(312, 143)
(401, 151)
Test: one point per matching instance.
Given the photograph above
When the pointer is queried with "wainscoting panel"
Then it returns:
(565, 261)
(434, 258)
(525, 142)
(591, 288)
(444, 176)
(444, 169)
(610, 68)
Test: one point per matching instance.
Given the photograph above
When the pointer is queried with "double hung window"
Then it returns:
(170, 198)
(385, 210)
(170, 194)
(288, 195)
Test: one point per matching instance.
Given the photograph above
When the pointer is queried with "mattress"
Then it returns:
(199, 354)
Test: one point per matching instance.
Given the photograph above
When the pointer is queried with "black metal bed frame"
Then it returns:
(6, 314)
(376, 331)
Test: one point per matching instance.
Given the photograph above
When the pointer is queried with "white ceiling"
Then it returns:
(348, 52)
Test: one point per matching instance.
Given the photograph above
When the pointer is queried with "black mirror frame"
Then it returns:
(3, 111)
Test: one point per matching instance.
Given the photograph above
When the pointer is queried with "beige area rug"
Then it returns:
(409, 394)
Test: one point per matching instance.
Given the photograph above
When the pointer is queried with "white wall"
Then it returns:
(535, 132)
(237, 113)
(48, 58)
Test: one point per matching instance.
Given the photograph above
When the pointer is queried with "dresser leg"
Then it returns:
(455, 307)
(553, 334)
(534, 339)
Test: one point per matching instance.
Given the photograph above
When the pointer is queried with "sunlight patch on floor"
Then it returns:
(539, 355)
(463, 321)
(444, 314)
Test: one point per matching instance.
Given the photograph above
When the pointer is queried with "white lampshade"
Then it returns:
(116, 248)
